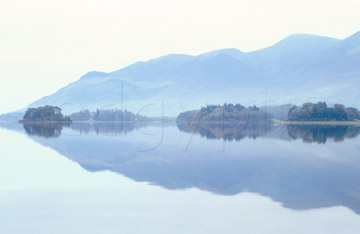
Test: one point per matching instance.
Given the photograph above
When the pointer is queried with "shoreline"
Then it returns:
(194, 122)
(318, 122)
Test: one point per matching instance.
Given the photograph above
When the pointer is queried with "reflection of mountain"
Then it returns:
(14, 125)
(290, 172)
(320, 134)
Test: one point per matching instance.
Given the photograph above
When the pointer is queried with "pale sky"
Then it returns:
(46, 44)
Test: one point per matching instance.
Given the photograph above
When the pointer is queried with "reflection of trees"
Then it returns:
(227, 131)
(238, 131)
(320, 134)
(107, 128)
(47, 130)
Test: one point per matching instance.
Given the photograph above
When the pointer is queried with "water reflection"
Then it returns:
(226, 131)
(255, 159)
(107, 128)
(238, 131)
(46, 130)
(53, 130)
(320, 134)
(221, 131)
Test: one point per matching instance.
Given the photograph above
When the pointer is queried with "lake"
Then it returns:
(179, 178)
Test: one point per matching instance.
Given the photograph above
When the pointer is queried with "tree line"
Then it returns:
(106, 115)
(322, 112)
(226, 112)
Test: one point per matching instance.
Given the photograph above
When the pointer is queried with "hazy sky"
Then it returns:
(46, 44)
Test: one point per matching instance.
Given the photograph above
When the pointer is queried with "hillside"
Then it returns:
(298, 69)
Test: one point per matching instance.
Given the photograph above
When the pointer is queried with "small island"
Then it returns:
(321, 113)
(107, 116)
(307, 113)
(225, 113)
(45, 114)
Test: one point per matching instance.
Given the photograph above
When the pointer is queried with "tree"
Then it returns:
(321, 112)
(45, 114)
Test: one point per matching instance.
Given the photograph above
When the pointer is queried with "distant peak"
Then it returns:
(94, 74)
(305, 40)
(172, 57)
(229, 51)
(304, 36)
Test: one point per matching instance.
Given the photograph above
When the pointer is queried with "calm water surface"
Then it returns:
(186, 178)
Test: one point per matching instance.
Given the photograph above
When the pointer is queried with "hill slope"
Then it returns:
(297, 69)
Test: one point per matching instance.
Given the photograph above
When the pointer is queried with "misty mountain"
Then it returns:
(298, 69)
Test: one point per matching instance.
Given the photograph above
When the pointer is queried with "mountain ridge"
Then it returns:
(299, 68)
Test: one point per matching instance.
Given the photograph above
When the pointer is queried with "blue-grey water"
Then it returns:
(179, 178)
